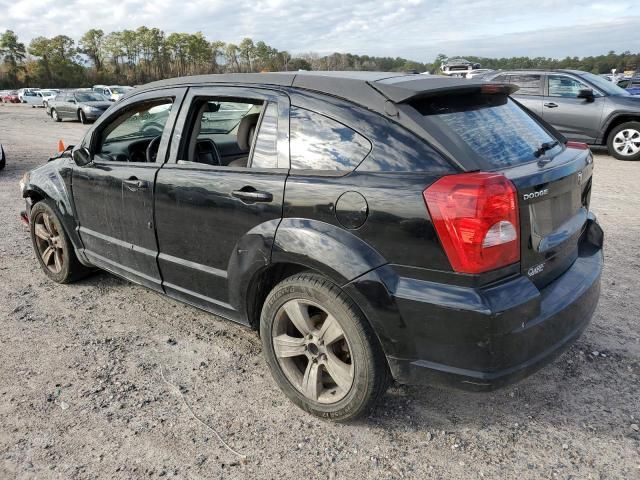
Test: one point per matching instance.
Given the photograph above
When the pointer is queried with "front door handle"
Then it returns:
(134, 184)
(551, 105)
(249, 194)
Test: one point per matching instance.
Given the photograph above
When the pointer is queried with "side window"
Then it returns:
(127, 136)
(504, 78)
(265, 150)
(237, 133)
(320, 143)
(561, 86)
(529, 84)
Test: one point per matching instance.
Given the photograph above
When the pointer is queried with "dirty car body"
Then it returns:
(217, 221)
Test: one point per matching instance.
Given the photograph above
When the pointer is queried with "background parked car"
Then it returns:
(82, 106)
(478, 72)
(26, 92)
(11, 97)
(112, 92)
(32, 97)
(582, 106)
(631, 85)
(458, 66)
(46, 96)
(3, 158)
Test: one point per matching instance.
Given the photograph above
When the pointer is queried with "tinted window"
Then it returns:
(504, 78)
(265, 151)
(493, 126)
(529, 84)
(561, 86)
(320, 143)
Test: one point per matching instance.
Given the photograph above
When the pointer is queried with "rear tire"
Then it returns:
(55, 116)
(623, 141)
(82, 117)
(336, 369)
(52, 246)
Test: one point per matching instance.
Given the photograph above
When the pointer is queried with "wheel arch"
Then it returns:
(302, 245)
(47, 183)
(616, 120)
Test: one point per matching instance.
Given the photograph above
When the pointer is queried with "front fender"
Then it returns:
(52, 181)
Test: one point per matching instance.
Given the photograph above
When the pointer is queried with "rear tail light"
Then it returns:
(476, 218)
(577, 145)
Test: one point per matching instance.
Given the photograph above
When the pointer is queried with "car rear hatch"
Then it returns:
(553, 204)
(483, 130)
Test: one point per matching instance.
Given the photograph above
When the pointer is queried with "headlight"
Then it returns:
(92, 109)
(24, 181)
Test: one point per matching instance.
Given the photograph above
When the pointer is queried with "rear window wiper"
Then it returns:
(545, 147)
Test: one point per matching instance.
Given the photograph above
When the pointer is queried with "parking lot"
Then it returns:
(88, 370)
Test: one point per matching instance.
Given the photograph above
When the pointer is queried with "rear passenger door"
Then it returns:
(530, 90)
(221, 192)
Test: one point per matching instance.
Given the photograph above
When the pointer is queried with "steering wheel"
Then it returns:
(152, 149)
(151, 128)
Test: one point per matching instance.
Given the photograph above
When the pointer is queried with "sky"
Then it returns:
(414, 29)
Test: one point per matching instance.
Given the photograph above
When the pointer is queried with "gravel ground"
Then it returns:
(82, 393)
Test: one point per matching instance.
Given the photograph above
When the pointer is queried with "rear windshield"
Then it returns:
(492, 125)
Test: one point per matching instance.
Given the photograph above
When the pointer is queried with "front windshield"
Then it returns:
(117, 90)
(605, 85)
(90, 97)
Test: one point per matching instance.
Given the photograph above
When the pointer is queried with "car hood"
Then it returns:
(627, 102)
(98, 104)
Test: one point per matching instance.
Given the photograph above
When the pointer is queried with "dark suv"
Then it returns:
(370, 225)
(580, 105)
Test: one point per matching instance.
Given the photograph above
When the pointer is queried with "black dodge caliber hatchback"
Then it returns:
(371, 226)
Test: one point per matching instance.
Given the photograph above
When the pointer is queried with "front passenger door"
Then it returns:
(113, 194)
(576, 118)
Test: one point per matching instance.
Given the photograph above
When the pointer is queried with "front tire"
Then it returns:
(321, 351)
(624, 141)
(55, 116)
(52, 246)
(82, 117)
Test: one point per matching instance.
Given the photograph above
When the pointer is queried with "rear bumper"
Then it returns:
(485, 338)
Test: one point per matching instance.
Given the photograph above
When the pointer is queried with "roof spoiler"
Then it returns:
(401, 90)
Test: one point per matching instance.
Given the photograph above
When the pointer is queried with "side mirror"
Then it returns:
(587, 94)
(81, 156)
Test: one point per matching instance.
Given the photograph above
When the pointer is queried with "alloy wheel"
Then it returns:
(49, 242)
(313, 352)
(627, 142)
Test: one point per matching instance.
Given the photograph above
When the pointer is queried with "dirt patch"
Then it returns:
(82, 396)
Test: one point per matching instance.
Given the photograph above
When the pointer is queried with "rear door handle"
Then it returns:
(551, 105)
(252, 195)
(134, 184)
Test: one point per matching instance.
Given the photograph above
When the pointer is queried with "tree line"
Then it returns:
(131, 57)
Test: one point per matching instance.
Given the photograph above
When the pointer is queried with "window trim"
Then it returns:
(234, 92)
(93, 136)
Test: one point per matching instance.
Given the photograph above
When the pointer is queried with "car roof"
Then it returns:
(540, 70)
(365, 88)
